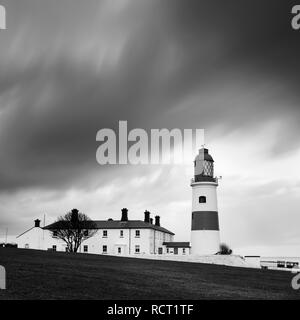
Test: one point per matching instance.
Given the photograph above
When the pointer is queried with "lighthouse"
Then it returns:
(205, 237)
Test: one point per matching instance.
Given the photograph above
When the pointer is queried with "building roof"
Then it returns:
(24, 232)
(117, 224)
(204, 155)
(177, 244)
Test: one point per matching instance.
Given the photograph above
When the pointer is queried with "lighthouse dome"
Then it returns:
(204, 155)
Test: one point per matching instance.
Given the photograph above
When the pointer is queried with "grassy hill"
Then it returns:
(33, 274)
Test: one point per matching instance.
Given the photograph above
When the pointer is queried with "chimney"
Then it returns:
(151, 220)
(147, 216)
(37, 223)
(124, 214)
(157, 223)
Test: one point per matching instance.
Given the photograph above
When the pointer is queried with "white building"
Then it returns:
(113, 237)
(133, 237)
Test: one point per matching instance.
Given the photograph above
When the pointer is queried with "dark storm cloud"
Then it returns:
(236, 62)
(249, 45)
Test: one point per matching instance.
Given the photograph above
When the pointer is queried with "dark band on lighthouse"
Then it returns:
(205, 220)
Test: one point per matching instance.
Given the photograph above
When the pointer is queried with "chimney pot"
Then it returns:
(147, 216)
(157, 222)
(124, 214)
(151, 220)
(37, 223)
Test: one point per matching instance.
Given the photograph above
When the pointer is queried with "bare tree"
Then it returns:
(73, 228)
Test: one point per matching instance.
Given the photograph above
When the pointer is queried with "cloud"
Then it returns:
(70, 68)
(79, 68)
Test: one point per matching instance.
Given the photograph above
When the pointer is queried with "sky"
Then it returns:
(69, 68)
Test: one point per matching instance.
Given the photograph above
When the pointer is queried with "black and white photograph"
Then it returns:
(149, 152)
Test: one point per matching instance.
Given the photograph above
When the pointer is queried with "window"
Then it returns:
(54, 233)
(137, 233)
(175, 250)
(26, 246)
(137, 249)
(167, 250)
(160, 250)
(202, 199)
(86, 233)
(104, 234)
(183, 250)
(121, 233)
(104, 249)
(85, 248)
(119, 250)
(54, 247)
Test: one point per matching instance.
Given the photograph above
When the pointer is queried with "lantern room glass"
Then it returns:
(208, 168)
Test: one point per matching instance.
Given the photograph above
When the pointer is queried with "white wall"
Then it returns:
(181, 251)
(253, 261)
(37, 238)
(149, 241)
(157, 238)
(205, 242)
(207, 189)
(114, 240)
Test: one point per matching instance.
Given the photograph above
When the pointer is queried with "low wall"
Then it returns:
(227, 260)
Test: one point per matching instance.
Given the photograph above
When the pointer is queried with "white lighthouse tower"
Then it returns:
(205, 237)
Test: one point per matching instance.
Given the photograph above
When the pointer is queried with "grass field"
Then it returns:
(33, 274)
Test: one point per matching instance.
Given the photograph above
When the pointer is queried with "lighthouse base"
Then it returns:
(205, 242)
